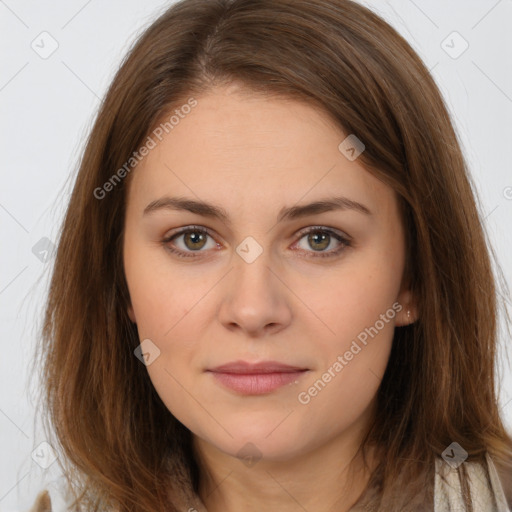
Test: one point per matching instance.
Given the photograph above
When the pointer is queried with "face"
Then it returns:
(248, 280)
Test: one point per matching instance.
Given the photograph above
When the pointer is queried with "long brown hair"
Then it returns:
(439, 386)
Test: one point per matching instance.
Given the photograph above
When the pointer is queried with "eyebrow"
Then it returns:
(285, 214)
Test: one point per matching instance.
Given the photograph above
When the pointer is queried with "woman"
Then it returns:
(273, 288)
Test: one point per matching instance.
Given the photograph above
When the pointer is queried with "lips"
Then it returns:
(243, 367)
(256, 378)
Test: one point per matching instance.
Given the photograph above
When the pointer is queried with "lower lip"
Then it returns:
(257, 383)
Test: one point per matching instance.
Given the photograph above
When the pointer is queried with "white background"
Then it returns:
(47, 109)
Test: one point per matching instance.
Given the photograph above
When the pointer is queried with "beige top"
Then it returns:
(486, 490)
(485, 487)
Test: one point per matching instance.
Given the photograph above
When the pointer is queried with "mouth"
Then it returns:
(256, 378)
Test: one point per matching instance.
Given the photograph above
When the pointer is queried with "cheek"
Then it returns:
(168, 306)
(355, 298)
(354, 358)
(165, 306)
(160, 298)
(359, 308)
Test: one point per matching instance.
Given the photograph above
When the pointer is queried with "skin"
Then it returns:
(253, 155)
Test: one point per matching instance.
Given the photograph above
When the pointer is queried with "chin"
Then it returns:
(264, 442)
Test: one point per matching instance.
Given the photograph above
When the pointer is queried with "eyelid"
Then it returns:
(341, 234)
(186, 229)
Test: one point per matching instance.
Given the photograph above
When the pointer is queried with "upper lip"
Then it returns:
(244, 367)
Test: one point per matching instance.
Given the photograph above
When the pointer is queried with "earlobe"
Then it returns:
(409, 312)
(131, 314)
(410, 315)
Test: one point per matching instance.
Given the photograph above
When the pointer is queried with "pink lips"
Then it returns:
(256, 378)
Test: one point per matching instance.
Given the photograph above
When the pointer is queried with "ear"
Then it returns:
(409, 312)
(131, 314)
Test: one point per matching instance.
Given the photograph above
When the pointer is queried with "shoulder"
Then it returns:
(485, 486)
(43, 503)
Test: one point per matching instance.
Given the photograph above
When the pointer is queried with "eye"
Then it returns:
(320, 238)
(195, 238)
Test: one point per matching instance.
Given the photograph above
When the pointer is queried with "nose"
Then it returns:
(255, 298)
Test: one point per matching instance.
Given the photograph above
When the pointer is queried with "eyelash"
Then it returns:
(345, 242)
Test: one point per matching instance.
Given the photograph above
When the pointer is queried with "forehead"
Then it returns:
(235, 146)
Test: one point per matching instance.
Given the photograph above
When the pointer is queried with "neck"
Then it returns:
(331, 477)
